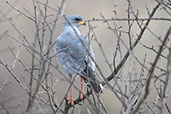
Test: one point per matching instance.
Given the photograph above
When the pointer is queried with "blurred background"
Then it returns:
(12, 96)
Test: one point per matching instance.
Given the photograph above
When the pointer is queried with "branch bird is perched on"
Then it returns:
(75, 54)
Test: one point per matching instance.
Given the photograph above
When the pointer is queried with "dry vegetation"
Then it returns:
(142, 90)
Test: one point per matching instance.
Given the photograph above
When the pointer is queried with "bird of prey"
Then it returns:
(75, 55)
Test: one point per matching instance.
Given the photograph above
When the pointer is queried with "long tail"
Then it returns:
(94, 83)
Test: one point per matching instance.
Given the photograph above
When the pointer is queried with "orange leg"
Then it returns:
(67, 97)
(81, 94)
(71, 100)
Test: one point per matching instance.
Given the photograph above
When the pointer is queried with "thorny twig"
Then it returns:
(150, 73)
(44, 59)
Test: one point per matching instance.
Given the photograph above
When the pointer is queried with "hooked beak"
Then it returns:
(81, 22)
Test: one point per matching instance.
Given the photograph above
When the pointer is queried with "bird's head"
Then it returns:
(75, 20)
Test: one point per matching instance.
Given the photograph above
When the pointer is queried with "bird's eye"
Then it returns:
(77, 19)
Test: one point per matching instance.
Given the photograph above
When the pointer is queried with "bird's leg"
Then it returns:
(70, 84)
(81, 94)
(67, 99)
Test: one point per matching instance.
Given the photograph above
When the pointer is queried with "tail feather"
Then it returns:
(94, 83)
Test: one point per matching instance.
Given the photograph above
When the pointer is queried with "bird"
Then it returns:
(75, 54)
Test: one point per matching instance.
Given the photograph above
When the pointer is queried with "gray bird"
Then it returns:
(75, 55)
